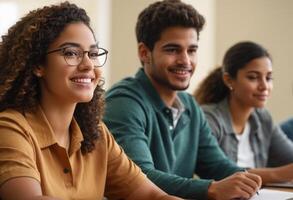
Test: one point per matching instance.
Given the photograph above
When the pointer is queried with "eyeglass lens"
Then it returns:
(74, 56)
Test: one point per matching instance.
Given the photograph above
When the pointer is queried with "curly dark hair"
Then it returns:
(24, 48)
(157, 17)
(213, 89)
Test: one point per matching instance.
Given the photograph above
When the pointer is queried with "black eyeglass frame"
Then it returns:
(83, 52)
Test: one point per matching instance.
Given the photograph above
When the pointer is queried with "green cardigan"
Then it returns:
(170, 156)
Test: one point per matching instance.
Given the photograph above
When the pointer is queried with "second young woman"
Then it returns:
(233, 98)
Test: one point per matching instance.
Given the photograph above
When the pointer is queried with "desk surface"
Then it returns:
(273, 193)
(285, 189)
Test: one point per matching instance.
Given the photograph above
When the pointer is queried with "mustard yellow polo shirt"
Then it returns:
(28, 148)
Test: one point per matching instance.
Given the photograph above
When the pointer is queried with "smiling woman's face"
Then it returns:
(69, 84)
(253, 84)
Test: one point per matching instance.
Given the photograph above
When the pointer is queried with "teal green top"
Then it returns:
(142, 124)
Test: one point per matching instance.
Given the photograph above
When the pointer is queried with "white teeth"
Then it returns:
(181, 71)
(82, 80)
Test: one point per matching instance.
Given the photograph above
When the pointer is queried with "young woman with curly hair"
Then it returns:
(53, 144)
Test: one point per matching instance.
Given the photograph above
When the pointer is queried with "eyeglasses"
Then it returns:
(74, 55)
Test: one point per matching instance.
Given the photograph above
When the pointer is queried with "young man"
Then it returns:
(161, 127)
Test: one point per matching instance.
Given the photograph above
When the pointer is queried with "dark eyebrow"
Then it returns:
(253, 72)
(194, 46)
(76, 45)
(173, 45)
(69, 44)
(257, 72)
(94, 46)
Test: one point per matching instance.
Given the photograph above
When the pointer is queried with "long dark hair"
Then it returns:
(24, 48)
(213, 89)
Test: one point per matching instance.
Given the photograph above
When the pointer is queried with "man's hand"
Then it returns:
(239, 185)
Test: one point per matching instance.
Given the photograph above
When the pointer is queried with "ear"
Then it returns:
(39, 71)
(228, 80)
(144, 53)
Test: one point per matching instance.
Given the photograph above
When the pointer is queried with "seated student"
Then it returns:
(287, 127)
(233, 99)
(53, 144)
(161, 127)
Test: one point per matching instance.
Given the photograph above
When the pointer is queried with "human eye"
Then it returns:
(192, 51)
(71, 52)
(94, 54)
(171, 50)
(269, 78)
(252, 77)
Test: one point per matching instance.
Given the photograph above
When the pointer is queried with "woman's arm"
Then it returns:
(22, 188)
(274, 175)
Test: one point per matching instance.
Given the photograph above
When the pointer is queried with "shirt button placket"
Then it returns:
(67, 177)
(168, 112)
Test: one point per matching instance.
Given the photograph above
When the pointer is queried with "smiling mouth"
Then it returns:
(181, 71)
(262, 97)
(82, 80)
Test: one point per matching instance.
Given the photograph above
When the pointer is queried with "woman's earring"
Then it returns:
(38, 74)
(230, 87)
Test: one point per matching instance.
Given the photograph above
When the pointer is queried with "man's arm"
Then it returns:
(241, 185)
(212, 161)
(148, 190)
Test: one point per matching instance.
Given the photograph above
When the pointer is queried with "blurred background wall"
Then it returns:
(268, 22)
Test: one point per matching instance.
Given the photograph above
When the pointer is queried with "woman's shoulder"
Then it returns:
(210, 107)
(10, 113)
(105, 136)
(12, 117)
(215, 109)
(13, 121)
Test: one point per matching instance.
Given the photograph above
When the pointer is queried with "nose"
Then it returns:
(86, 63)
(184, 58)
(264, 84)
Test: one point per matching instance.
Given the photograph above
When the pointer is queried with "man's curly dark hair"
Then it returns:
(159, 16)
(24, 48)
